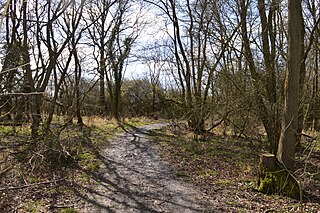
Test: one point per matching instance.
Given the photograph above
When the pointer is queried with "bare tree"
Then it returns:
(113, 33)
(287, 143)
(197, 51)
(71, 23)
(100, 15)
(267, 99)
(47, 16)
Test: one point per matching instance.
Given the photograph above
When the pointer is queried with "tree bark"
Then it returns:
(35, 99)
(102, 68)
(288, 138)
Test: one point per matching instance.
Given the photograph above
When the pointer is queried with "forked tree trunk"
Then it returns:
(268, 115)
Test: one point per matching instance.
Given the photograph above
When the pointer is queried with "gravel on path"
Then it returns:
(134, 178)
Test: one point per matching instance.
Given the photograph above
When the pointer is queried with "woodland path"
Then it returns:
(134, 178)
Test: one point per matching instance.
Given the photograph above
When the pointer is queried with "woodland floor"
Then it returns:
(225, 168)
(141, 170)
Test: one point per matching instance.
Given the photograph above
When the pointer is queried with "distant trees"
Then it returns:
(138, 97)
(198, 42)
(114, 29)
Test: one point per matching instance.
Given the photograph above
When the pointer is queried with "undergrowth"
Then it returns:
(40, 176)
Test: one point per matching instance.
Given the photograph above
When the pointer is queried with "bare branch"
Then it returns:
(21, 93)
(33, 184)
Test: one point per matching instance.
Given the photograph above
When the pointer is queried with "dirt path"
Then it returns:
(135, 179)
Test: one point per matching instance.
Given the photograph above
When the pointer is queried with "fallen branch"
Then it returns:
(219, 122)
(60, 207)
(9, 70)
(30, 185)
(216, 124)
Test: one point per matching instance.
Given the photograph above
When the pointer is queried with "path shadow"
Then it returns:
(133, 178)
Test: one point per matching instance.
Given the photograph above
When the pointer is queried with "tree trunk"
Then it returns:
(78, 73)
(102, 68)
(35, 99)
(266, 115)
(287, 143)
(116, 107)
(35, 115)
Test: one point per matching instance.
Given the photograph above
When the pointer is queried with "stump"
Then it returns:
(273, 179)
(268, 161)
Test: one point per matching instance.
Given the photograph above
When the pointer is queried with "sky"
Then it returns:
(154, 31)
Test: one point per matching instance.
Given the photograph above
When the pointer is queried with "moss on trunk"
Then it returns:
(276, 180)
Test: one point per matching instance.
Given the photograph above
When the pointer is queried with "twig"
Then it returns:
(4, 171)
(9, 70)
(300, 184)
(308, 136)
(30, 185)
(12, 146)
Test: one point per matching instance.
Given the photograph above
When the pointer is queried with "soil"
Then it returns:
(134, 178)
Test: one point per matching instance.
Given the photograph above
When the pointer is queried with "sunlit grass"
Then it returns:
(13, 130)
(6, 129)
(112, 122)
(99, 121)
